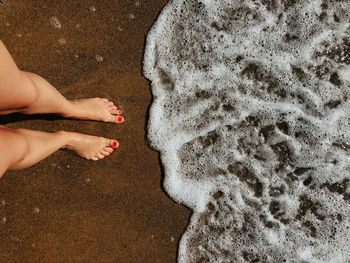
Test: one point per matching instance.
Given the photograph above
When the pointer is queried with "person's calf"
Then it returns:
(14, 147)
(23, 94)
(49, 99)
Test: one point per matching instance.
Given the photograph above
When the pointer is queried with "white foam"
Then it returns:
(98, 58)
(55, 22)
(251, 117)
(305, 254)
(62, 41)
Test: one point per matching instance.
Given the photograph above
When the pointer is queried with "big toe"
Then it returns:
(111, 144)
(118, 119)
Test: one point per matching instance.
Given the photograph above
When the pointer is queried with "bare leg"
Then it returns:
(16, 90)
(29, 93)
(51, 101)
(42, 144)
(13, 148)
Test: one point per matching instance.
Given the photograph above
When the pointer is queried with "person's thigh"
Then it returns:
(17, 91)
(13, 148)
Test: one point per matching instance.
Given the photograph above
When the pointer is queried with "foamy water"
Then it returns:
(251, 117)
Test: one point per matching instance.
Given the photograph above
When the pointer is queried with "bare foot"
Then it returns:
(99, 109)
(90, 147)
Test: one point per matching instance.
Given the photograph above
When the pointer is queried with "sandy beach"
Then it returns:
(67, 209)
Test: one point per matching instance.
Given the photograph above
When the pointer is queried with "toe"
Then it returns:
(105, 153)
(108, 149)
(105, 100)
(113, 110)
(113, 143)
(94, 158)
(118, 119)
(111, 104)
(100, 156)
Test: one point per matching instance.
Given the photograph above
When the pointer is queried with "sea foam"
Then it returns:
(251, 117)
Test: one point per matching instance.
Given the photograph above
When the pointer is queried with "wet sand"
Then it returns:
(67, 209)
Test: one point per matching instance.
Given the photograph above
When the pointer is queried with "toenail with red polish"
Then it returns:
(120, 119)
(115, 144)
(119, 112)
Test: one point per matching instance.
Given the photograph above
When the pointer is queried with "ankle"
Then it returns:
(67, 138)
(70, 110)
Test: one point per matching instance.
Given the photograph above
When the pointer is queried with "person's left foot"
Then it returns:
(98, 109)
(90, 147)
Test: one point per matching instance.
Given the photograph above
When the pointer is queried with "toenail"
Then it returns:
(120, 119)
(115, 144)
(119, 112)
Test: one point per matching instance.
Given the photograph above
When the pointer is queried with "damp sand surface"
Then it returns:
(67, 209)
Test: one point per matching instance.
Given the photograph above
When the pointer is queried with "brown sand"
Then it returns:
(67, 209)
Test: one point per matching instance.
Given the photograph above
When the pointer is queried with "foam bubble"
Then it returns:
(251, 117)
(62, 41)
(55, 22)
(98, 58)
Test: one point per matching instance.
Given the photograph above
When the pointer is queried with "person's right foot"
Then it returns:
(90, 147)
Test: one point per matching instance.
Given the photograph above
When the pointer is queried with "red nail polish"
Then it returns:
(120, 119)
(115, 144)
